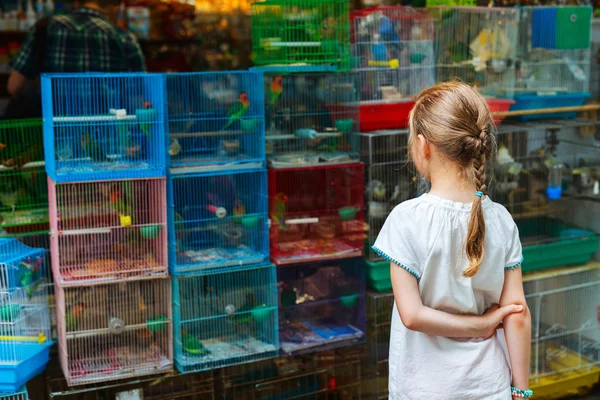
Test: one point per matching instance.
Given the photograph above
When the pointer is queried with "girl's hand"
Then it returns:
(493, 316)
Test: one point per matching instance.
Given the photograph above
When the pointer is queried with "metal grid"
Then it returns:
(565, 332)
(316, 213)
(390, 178)
(216, 119)
(322, 306)
(114, 331)
(108, 230)
(218, 222)
(20, 395)
(478, 45)
(225, 318)
(103, 126)
(310, 119)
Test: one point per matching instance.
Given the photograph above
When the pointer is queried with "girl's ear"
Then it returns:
(424, 147)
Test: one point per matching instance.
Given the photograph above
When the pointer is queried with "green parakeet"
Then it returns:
(243, 314)
(238, 109)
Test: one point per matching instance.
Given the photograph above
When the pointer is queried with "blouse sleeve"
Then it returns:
(395, 242)
(514, 254)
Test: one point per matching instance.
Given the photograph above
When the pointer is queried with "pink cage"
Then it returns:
(316, 213)
(108, 230)
(114, 331)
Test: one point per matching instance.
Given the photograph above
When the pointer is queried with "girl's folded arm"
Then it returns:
(417, 317)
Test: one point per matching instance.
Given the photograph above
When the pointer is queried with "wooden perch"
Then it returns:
(588, 107)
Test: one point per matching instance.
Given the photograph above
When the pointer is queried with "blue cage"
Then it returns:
(104, 126)
(225, 318)
(216, 119)
(24, 316)
(217, 220)
(321, 305)
(19, 395)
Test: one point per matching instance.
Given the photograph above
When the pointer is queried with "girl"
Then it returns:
(453, 254)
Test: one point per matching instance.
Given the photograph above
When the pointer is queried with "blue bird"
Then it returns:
(387, 33)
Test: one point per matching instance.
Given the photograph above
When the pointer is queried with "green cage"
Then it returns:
(302, 32)
(23, 187)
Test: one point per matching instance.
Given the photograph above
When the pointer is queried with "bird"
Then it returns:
(145, 118)
(378, 49)
(242, 315)
(377, 189)
(386, 30)
(118, 204)
(174, 148)
(275, 90)
(73, 317)
(238, 109)
(91, 148)
(279, 213)
(239, 209)
(396, 194)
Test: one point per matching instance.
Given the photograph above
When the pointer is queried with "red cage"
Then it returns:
(316, 213)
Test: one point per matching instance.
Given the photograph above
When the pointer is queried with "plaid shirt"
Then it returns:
(84, 41)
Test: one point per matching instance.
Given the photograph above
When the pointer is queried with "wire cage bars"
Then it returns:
(321, 306)
(21, 394)
(114, 331)
(316, 213)
(393, 49)
(108, 230)
(24, 317)
(564, 341)
(225, 318)
(313, 32)
(104, 126)
(23, 195)
(311, 118)
(537, 165)
(478, 45)
(218, 220)
(554, 59)
(216, 119)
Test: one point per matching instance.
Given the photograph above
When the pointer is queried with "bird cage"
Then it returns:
(114, 331)
(305, 32)
(226, 318)
(23, 194)
(216, 119)
(103, 126)
(537, 166)
(379, 316)
(565, 329)
(311, 119)
(478, 45)
(107, 230)
(21, 394)
(316, 213)
(321, 306)
(554, 59)
(394, 51)
(218, 221)
(24, 317)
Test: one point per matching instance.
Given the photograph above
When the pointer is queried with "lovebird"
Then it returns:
(91, 148)
(238, 109)
(243, 315)
(279, 212)
(72, 317)
(118, 203)
(275, 90)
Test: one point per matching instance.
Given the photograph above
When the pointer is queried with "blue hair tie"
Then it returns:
(479, 194)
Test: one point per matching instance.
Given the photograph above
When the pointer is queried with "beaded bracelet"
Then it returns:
(516, 392)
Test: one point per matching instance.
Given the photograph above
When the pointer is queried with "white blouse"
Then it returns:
(426, 236)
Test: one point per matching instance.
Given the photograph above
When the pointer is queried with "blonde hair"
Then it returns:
(456, 119)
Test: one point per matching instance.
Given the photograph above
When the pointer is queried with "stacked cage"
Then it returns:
(542, 170)
(105, 158)
(389, 180)
(479, 45)
(24, 316)
(393, 52)
(554, 59)
(225, 305)
(22, 394)
(564, 345)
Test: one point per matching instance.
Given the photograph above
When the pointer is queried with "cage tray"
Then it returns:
(13, 376)
(384, 115)
(222, 349)
(218, 257)
(302, 159)
(313, 250)
(533, 101)
(106, 270)
(298, 336)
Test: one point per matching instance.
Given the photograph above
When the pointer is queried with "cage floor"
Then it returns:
(212, 160)
(304, 335)
(218, 257)
(102, 270)
(220, 350)
(113, 163)
(303, 159)
(119, 363)
(314, 250)
(23, 217)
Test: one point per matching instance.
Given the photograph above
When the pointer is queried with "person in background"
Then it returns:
(83, 41)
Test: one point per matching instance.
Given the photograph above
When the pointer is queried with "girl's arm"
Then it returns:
(417, 317)
(517, 328)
